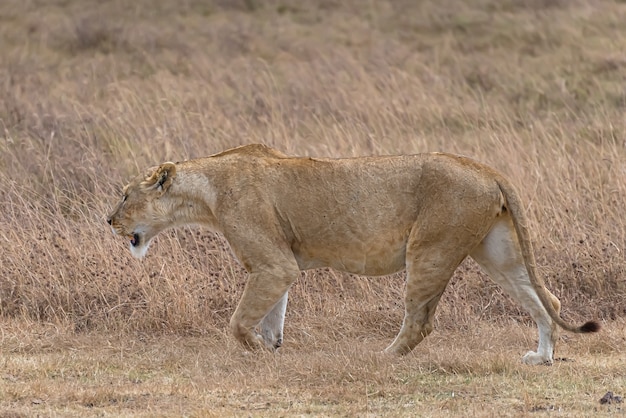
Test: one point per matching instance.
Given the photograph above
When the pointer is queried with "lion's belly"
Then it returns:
(369, 259)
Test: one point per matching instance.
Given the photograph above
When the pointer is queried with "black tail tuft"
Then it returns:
(591, 326)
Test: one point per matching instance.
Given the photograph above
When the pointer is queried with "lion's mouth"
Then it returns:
(135, 240)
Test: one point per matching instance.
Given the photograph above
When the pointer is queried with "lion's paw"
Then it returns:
(534, 359)
(270, 342)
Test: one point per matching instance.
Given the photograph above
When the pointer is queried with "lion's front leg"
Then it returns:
(273, 324)
(263, 305)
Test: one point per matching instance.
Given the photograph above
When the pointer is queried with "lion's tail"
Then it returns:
(518, 217)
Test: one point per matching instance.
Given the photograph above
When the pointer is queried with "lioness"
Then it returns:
(372, 216)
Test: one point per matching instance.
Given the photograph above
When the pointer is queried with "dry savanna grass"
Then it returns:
(49, 371)
(92, 92)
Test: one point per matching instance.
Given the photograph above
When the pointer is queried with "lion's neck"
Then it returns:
(192, 200)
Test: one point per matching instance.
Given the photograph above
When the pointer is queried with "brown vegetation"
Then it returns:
(91, 92)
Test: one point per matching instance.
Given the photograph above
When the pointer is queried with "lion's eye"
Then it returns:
(124, 197)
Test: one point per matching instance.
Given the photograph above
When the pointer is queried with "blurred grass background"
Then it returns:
(92, 92)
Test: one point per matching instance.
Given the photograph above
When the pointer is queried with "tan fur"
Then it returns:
(372, 216)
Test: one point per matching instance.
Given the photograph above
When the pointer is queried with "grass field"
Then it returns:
(92, 92)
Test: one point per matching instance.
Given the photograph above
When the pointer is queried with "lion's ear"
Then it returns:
(161, 178)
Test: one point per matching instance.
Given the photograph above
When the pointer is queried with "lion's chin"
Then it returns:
(139, 246)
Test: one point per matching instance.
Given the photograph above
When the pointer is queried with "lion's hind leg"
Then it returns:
(429, 268)
(500, 256)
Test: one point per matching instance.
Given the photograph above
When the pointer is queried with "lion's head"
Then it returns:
(141, 214)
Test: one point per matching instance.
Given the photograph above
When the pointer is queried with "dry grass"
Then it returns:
(45, 372)
(91, 92)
